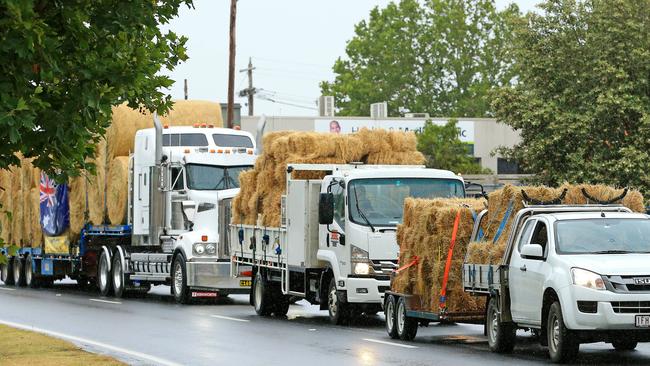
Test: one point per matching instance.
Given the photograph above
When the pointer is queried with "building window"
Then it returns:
(505, 166)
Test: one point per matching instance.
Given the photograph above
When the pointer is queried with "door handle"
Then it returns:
(523, 268)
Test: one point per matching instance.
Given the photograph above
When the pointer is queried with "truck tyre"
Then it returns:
(179, 280)
(261, 298)
(6, 273)
(118, 277)
(390, 312)
(501, 336)
(18, 271)
(562, 344)
(624, 345)
(337, 309)
(281, 305)
(31, 274)
(104, 276)
(407, 327)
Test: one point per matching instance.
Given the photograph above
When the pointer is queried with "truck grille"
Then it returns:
(631, 307)
(637, 283)
(384, 268)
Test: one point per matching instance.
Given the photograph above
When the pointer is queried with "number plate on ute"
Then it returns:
(642, 321)
(244, 283)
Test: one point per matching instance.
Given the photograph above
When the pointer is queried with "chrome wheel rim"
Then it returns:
(493, 325)
(16, 270)
(3, 273)
(333, 303)
(555, 333)
(28, 271)
(389, 316)
(178, 279)
(401, 317)
(103, 273)
(117, 276)
(258, 293)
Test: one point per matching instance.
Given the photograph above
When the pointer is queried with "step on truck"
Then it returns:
(573, 274)
(336, 246)
(180, 186)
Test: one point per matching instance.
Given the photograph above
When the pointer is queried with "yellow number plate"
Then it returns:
(244, 283)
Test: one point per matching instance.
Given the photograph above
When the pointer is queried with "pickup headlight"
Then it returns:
(588, 279)
(360, 261)
(201, 249)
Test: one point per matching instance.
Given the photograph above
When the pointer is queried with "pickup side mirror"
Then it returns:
(189, 210)
(532, 251)
(326, 209)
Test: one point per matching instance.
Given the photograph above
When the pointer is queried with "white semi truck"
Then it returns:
(181, 182)
(336, 246)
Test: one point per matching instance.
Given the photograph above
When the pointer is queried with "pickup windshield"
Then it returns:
(602, 236)
(380, 201)
(212, 177)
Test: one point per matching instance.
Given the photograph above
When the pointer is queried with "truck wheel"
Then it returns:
(261, 298)
(6, 273)
(18, 271)
(337, 309)
(281, 306)
(179, 280)
(407, 327)
(562, 344)
(624, 345)
(390, 312)
(118, 279)
(31, 274)
(501, 336)
(104, 276)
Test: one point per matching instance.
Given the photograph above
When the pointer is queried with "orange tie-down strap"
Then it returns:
(443, 290)
(415, 261)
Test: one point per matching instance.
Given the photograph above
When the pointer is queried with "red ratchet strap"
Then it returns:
(415, 261)
(443, 290)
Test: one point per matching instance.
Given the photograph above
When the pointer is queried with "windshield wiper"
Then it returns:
(612, 252)
(363, 216)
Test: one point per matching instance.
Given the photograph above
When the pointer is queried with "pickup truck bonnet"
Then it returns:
(611, 264)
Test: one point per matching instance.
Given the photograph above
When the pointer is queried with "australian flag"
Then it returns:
(55, 209)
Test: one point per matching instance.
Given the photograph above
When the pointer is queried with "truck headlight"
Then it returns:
(211, 249)
(198, 248)
(588, 279)
(361, 268)
(360, 261)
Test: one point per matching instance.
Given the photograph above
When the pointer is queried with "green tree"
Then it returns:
(444, 150)
(440, 57)
(65, 63)
(581, 103)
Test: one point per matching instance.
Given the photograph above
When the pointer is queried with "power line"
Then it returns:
(264, 97)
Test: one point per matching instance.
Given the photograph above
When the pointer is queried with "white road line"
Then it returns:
(106, 301)
(389, 343)
(229, 318)
(139, 355)
(7, 289)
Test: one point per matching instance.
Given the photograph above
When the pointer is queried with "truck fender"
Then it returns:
(177, 250)
(108, 255)
(330, 258)
(121, 252)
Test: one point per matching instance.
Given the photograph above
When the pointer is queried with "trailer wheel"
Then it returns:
(261, 298)
(6, 273)
(104, 275)
(281, 305)
(31, 274)
(390, 312)
(624, 345)
(501, 336)
(407, 327)
(337, 309)
(562, 344)
(18, 271)
(119, 285)
(179, 280)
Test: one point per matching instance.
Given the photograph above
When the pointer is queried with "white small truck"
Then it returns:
(336, 245)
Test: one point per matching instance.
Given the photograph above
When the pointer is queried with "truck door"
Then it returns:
(333, 238)
(527, 275)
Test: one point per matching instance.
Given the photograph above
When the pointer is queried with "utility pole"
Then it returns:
(231, 64)
(185, 89)
(250, 91)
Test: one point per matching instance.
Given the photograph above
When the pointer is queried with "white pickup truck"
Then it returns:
(575, 274)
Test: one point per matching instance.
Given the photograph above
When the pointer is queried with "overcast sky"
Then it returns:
(293, 45)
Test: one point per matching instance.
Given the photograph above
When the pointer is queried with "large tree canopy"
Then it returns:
(441, 57)
(65, 63)
(444, 150)
(582, 101)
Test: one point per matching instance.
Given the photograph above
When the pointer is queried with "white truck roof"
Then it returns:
(357, 171)
(593, 215)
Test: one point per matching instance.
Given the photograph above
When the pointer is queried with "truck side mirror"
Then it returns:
(189, 210)
(326, 209)
(532, 251)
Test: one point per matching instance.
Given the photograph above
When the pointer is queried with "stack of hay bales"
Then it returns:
(490, 251)
(262, 187)
(426, 233)
(99, 198)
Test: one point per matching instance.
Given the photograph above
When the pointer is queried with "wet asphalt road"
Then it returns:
(155, 330)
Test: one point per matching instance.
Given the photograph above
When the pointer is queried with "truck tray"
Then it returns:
(481, 278)
(415, 310)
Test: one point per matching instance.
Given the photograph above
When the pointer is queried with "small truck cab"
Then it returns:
(575, 274)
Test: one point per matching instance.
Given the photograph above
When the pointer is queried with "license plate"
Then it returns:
(642, 321)
(244, 283)
(203, 294)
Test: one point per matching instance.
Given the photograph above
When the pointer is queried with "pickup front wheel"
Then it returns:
(501, 335)
(562, 344)
(624, 345)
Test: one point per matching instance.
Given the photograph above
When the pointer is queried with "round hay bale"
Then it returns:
(77, 199)
(117, 190)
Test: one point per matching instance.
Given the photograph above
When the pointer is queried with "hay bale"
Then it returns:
(35, 218)
(97, 186)
(77, 188)
(117, 190)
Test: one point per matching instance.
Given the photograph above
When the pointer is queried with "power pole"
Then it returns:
(250, 91)
(185, 89)
(231, 64)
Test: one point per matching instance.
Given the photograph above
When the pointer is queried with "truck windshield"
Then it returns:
(602, 236)
(212, 177)
(381, 200)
